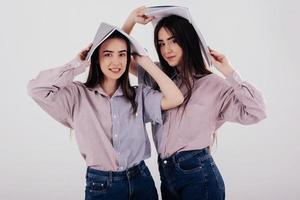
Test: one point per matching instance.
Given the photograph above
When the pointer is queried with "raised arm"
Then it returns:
(139, 16)
(172, 96)
(53, 89)
(239, 101)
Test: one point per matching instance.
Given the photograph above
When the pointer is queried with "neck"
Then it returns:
(109, 86)
(178, 68)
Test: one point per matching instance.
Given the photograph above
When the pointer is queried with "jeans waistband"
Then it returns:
(201, 154)
(116, 175)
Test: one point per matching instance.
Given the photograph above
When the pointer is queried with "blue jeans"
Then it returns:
(191, 175)
(132, 184)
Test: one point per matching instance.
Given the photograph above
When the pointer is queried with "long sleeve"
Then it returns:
(54, 91)
(239, 102)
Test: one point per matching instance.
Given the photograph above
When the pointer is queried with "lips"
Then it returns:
(170, 57)
(115, 70)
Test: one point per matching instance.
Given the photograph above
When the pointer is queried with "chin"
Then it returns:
(116, 77)
(172, 64)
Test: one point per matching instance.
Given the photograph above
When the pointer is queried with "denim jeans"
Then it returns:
(191, 175)
(133, 184)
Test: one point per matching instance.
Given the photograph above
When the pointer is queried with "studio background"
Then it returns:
(39, 159)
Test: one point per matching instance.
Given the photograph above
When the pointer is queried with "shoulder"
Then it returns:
(142, 88)
(146, 92)
(210, 79)
(210, 85)
(80, 87)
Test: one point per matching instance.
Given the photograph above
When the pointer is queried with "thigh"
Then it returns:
(166, 193)
(204, 184)
(192, 183)
(216, 186)
(198, 178)
(143, 186)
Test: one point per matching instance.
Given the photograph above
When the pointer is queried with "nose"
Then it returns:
(116, 61)
(167, 48)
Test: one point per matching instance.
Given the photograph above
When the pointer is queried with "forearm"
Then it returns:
(241, 102)
(171, 94)
(128, 25)
(50, 80)
(227, 70)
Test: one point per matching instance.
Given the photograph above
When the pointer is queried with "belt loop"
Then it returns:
(139, 166)
(87, 172)
(174, 158)
(110, 177)
(208, 150)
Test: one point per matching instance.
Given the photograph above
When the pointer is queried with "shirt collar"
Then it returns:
(118, 92)
(98, 89)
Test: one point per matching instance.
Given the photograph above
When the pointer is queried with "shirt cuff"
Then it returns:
(77, 65)
(234, 79)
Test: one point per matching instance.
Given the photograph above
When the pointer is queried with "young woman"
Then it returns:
(108, 116)
(186, 167)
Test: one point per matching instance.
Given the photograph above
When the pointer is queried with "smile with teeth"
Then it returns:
(115, 70)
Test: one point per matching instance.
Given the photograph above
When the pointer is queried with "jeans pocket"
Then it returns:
(218, 176)
(189, 166)
(97, 186)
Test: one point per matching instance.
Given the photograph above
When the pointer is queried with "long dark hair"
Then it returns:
(96, 75)
(193, 66)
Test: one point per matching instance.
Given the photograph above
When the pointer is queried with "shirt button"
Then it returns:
(165, 162)
(116, 135)
(121, 168)
(114, 116)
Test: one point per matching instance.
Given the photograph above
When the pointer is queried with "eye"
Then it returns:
(160, 44)
(174, 41)
(107, 55)
(122, 54)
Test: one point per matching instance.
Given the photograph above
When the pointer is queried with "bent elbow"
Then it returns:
(30, 89)
(262, 115)
(253, 119)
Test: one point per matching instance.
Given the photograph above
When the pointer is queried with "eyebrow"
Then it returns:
(109, 51)
(170, 38)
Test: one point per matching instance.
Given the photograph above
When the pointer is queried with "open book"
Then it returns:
(105, 30)
(162, 11)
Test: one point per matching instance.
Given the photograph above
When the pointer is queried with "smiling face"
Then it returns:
(113, 58)
(169, 48)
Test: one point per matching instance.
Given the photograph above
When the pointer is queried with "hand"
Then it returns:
(140, 16)
(220, 62)
(80, 59)
(83, 53)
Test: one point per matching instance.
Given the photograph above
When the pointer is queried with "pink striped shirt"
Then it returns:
(109, 136)
(214, 101)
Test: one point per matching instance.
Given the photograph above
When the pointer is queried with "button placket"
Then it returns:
(115, 133)
(114, 125)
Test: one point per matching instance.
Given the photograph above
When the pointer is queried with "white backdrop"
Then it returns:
(39, 159)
